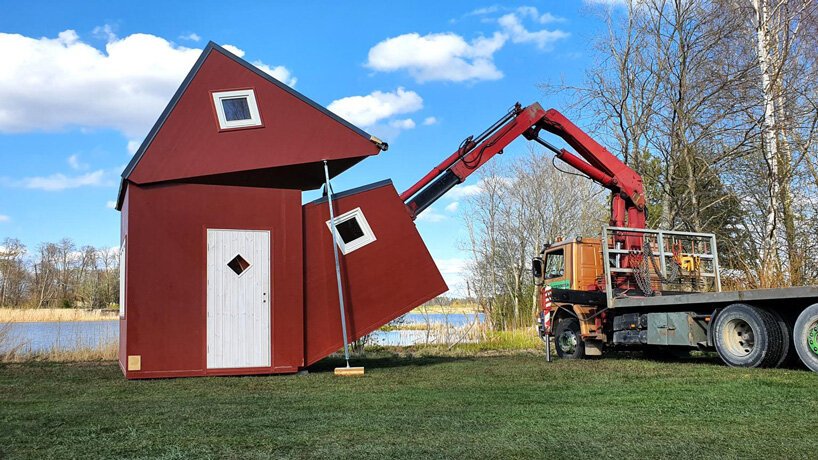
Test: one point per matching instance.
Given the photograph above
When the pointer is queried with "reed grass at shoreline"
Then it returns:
(102, 352)
(37, 315)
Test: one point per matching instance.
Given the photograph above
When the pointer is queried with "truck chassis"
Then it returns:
(748, 328)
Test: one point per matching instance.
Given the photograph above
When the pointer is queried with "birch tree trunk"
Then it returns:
(769, 252)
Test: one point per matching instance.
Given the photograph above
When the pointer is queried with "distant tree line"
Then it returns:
(715, 104)
(58, 275)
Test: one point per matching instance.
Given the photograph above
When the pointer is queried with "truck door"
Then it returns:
(555, 274)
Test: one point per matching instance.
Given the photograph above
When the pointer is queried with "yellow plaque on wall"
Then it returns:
(134, 362)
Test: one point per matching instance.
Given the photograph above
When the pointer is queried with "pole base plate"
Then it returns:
(349, 371)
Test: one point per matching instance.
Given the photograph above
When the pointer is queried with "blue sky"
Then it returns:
(82, 82)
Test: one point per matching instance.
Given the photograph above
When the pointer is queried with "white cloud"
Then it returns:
(449, 57)
(406, 123)
(461, 191)
(74, 162)
(529, 11)
(367, 110)
(544, 39)
(110, 204)
(105, 32)
(53, 83)
(430, 215)
(440, 56)
(59, 181)
(133, 146)
(280, 73)
(483, 11)
(452, 207)
(4, 218)
(428, 121)
(533, 13)
(234, 49)
(454, 271)
(193, 37)
(464, 191)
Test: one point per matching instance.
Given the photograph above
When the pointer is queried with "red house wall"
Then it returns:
(382, 280)
(166, 319)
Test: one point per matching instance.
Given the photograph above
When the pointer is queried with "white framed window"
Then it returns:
(353, 230)
(122, 276)
(236, 109)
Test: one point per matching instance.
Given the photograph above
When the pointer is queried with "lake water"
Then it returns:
(43, 336)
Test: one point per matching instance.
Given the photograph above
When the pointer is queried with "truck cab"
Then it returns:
(574, 264)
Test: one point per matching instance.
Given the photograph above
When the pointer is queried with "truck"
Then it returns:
(631, 287)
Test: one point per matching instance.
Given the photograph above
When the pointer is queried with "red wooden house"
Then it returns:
(223, 270)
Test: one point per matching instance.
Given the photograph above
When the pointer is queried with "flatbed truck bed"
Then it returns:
(748, 328)
(779, 298)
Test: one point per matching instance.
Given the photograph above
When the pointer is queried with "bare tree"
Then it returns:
(521, 206)
(13, 274)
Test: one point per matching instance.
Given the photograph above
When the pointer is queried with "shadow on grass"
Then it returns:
(703, 358)
(694, 357)
(382, 361)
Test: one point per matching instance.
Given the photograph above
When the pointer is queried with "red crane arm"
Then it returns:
(626, 180)
(598, 164)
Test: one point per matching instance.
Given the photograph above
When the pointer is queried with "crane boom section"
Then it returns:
(626, 179)
(601, 166)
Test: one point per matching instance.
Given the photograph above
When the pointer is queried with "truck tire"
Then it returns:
(805, 337)
(788, 354)
(567, 339)
(748, 336)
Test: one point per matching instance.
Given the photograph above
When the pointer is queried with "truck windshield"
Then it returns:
(555, 264)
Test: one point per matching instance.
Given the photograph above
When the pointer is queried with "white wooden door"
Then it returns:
(238, 298)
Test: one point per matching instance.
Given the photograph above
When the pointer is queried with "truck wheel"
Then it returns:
(787, 350)
(747, 336)
(805, 335)
(567, 339)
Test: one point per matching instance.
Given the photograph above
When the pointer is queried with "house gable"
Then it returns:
(188, 141)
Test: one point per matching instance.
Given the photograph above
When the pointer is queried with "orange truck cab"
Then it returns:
(575, 264)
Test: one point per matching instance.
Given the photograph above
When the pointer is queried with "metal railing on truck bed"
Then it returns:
(648, 263)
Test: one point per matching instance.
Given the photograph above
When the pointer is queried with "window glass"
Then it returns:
(349, 230)
(555, 264)
(238, 264)
(236, 108)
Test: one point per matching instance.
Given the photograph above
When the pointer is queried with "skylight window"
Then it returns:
(236, 109)
(353, 230)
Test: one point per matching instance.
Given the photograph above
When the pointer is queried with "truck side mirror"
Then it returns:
(537, 267)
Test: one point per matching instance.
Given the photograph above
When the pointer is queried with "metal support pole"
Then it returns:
(337, 263)
(548, 348)
(606, 265)
(716, 269)
(662, 262)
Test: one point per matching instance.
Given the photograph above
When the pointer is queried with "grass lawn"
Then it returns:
(514, 406)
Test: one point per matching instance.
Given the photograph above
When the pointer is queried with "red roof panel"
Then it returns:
(187, 142)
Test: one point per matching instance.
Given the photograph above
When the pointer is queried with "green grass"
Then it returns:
(515, 406)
